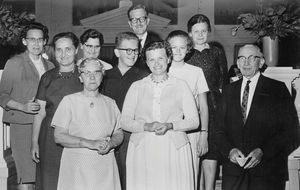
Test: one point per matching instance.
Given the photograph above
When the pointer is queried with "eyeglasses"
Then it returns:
(140, 19)
(96, 73)
(129, 51)
(250, 59)
(91, 46)
(34, 40)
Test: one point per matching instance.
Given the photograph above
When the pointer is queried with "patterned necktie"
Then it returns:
(245, 101)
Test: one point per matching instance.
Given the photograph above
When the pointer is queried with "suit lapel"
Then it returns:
(258, 97)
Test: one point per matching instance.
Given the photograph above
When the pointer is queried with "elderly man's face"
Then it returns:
(138, 21)
(249, 61)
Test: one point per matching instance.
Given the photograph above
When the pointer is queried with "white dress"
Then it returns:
(195, 79)
(159, 162)
(91, 118)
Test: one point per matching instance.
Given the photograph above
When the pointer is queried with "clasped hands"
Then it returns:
(158, 128)
(250, 161)
(102, 146)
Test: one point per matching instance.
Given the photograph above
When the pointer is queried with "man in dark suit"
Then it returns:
(138, 21)
(256, 127)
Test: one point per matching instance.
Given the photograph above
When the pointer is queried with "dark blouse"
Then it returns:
(214, 65)
(115, 85)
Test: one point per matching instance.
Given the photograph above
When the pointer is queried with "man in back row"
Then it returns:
(138, 20)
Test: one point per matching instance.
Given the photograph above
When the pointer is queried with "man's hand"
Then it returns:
(255, 156)
(234, 154)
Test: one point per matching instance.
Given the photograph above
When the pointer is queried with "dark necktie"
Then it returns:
(140, 44)
(245, 101)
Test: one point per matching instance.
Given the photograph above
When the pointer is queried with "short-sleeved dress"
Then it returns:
(52, 88)
(159, 162)
(214, 65)
(195, 79)
(91, 118)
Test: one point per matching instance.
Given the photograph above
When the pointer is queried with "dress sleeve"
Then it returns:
(63, 114)
(190, 120)
(128, 121)
(118, 117)
(10, 75)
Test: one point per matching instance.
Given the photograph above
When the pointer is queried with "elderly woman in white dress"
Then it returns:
(157, 111)
(87, 125)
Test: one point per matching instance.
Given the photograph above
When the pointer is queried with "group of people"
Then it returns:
(161, 118)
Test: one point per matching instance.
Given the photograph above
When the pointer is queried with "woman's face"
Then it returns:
(91, 76)
(199, 33)
(65, 51)
(91, 48)
(34, 41)
(179, 48)
(157, 61)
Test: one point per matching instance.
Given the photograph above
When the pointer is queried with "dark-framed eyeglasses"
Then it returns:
(140, 19)
(92, 46)
(129, 51)
(35, 40)
(250, 59)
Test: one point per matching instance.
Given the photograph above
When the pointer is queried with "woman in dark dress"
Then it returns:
(54, 85)
(212, 60)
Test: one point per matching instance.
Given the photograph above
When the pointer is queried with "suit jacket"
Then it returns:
(141, 63)
(19, 82)
(271, 125)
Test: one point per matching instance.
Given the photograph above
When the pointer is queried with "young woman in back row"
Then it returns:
(212, 60)
(181, 44)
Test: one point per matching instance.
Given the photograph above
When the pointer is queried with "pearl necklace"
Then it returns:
(159, 82)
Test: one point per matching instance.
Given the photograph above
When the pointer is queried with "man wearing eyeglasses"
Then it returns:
(116, 83)
(139, 21)
(256, 127)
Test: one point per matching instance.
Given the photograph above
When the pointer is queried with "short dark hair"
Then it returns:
(135, 7)
(159, 45)
(35, 26)
(125, 36)
(91, 33)
(198, 18)
(69, 35)
(183, 34)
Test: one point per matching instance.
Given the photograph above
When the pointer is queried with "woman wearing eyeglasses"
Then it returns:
(87, 126)
(90, 42)
(54, 85)
(18, 88)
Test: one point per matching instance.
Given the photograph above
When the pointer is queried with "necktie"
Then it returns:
(245, 101)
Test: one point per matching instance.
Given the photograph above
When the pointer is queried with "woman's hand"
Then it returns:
(202, 144)
(162, 128)
(31, 107)
(35, 152)
(105, 147)
(150, 127)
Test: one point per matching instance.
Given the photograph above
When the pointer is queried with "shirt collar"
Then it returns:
(253, 80)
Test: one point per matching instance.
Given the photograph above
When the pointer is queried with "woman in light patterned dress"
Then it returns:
(87, 126)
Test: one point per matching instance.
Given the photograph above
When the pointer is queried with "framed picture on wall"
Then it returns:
(88, 8)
